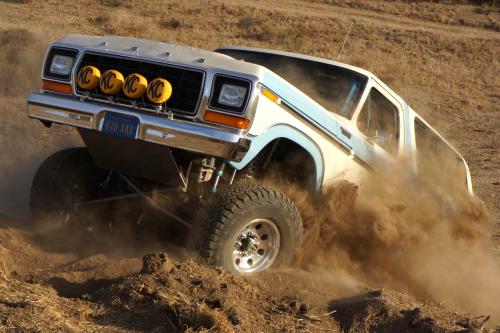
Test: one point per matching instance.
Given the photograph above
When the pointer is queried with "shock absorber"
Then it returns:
(218, 175)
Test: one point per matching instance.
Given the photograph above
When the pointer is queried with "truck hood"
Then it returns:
(161, 52)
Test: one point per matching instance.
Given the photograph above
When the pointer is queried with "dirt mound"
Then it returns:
(177, 296)
(165, 295)
(384, 311)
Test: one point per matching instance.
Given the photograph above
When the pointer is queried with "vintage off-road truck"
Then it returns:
(204, 128)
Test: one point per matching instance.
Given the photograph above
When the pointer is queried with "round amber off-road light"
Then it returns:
(159, 91)
(88, 77)
(135, 85)
(111, 82)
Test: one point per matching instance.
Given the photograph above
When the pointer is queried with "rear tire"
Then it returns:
(249, 228)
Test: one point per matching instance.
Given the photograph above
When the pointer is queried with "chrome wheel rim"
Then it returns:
(256, 246)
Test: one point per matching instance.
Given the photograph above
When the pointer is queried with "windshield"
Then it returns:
(337, 89)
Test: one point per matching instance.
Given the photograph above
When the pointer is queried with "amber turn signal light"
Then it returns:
(59, 87)
(269, 94)
(224, 119)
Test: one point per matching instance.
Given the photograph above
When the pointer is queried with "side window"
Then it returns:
(379, 120)
(427, 144)
(435, 157)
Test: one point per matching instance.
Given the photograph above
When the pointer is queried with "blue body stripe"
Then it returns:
(307, 107)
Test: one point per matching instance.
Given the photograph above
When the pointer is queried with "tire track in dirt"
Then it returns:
(318, 10)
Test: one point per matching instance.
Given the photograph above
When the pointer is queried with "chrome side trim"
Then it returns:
(60, 116)
(186, 135)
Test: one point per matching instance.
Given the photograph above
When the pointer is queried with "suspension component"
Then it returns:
(219, 174)
(233, 176)
(251, 169)
(207, 169)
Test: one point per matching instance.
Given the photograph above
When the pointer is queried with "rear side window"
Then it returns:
(435, 157)
(379, 120)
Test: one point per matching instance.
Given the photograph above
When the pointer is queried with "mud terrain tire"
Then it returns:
(64, 178)
(260, 207)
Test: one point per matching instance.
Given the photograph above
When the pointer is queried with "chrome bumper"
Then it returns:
(173, 133)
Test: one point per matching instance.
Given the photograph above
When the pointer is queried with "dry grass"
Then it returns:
(256, 28)
(100, 20)
(115, 3)
(484, 14)
(172, 23)
(446, 71)
(16, 1)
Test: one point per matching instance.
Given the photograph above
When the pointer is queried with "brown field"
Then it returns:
(441, 56)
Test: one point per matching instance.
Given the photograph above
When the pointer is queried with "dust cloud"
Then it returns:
(392, 232)
(399, 232)
(21, 56)
(423, 235)
(25, 143)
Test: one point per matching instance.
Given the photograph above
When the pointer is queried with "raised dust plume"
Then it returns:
(396, 231)
(21, 55)
(24, 143)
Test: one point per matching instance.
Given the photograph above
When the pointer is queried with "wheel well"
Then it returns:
(289, 160)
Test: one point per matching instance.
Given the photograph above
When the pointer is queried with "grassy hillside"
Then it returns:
(447, 69)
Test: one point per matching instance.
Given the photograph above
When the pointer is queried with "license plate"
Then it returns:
(118, 125)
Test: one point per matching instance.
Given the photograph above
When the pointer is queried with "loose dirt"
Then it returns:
(43, 291)
(371, 263)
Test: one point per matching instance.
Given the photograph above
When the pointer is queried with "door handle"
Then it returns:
(345, 132)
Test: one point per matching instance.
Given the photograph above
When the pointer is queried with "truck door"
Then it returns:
(380, 129)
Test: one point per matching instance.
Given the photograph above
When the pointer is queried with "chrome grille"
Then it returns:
(186, 83)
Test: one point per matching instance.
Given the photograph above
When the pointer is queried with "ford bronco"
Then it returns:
(204, 128)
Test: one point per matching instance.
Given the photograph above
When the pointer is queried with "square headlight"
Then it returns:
(232, 95)
(61, 65)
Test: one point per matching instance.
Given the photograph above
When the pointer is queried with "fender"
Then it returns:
(292, 134)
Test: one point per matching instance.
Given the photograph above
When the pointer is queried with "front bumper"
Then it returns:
(168, 132)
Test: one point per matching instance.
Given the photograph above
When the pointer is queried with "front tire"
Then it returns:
(250, 227)
(65, 178)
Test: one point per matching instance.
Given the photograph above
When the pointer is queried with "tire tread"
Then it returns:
(243, 196)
